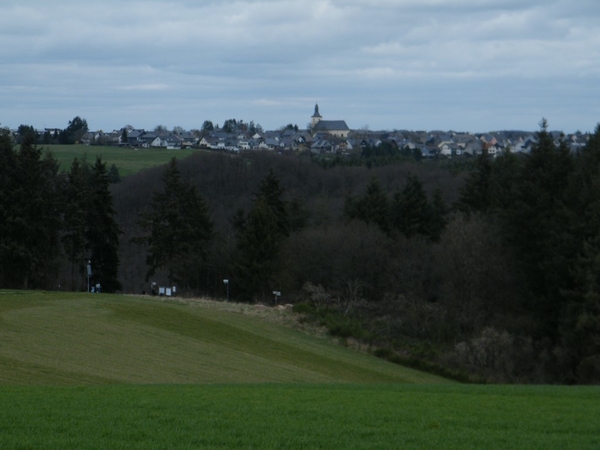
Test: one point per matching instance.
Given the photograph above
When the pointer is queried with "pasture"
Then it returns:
(78, 338)
(128, 160)
(95, 371)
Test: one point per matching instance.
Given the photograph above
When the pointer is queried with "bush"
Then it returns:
(344, 327)
(498, 356)
(304, 308)
(427, 366)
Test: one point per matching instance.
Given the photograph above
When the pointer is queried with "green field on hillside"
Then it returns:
(95, 371)
(79, 338)
(300, 416)
(128, 160)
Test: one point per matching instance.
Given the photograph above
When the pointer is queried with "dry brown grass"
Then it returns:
(283, 315)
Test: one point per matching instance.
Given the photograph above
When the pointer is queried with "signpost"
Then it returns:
(89, 274)
(226, 282)
(277, 294)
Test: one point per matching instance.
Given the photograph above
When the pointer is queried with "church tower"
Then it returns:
(316, 117)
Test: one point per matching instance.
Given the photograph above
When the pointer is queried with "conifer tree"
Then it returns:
(77, 201)
(8, 163)
(31, 210)
(270, 189)
(102, 231)
(505, 177)
(259, 238)
(476, 194)
(538, 224)
(580, 318)
(411, 213)
(179, 228)
(257, 251)
(372, 207)
(437, 219)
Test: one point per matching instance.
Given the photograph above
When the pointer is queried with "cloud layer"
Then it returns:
(469, 65)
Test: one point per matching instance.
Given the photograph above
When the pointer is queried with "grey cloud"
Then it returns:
(377, 58)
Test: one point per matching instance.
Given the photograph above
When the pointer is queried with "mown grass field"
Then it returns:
(85, 371)
(79, 338)
(128, 160)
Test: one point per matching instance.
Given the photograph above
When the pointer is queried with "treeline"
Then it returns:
(495, 274)
(251, 194)
(547, 210)
(51, 220)
(371, 156)
(72, 134)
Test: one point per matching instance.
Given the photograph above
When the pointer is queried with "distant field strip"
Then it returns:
(301, 416)
(128, 160)
(69, 338)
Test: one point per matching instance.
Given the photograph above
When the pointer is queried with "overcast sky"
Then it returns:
(462, 65)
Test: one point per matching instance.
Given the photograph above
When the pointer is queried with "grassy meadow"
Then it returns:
(95, 371)
(128, 160)
(79, 338)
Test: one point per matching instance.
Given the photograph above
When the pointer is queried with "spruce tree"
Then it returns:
(259, 239)
(257, 251)
(492, 187)
(476, 194)
(31, 210)
(77, 201)
(580, 318)
(270, 189)
(372, 207)
(102, 231)
(505, 177)
(8, 163)
(411, 213)
(179, 228)
(437, 216)
(538, 228)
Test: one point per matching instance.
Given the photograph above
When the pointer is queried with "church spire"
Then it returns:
(316, 117)
(316, 114)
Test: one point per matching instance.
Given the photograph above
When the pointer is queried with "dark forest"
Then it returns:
(488, 274)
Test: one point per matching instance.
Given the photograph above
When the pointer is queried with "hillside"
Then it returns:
(73, 339)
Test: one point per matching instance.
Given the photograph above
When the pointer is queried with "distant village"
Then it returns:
(323, 137)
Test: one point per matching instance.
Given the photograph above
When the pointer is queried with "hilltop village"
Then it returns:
(320, 137)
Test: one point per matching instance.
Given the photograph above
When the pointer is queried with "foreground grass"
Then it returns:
(300, 417)
(129, 161)
(83, 371)
(78, 339)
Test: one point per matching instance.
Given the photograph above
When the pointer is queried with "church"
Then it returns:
(333, 127)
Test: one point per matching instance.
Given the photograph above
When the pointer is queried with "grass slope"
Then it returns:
(128, 160)
(76, 339)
